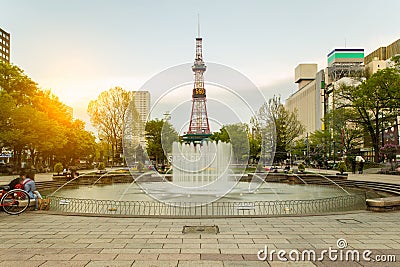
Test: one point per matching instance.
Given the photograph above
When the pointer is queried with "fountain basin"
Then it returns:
(271, 199)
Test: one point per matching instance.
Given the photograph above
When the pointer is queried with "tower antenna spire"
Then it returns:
(199, 127)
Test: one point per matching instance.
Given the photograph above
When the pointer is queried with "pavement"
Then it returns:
(43, 239)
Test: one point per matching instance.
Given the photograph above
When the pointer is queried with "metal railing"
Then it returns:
(216, 209)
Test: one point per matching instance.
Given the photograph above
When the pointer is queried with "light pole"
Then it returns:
(334, 152)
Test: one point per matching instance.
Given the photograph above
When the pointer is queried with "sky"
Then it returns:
(80, 48)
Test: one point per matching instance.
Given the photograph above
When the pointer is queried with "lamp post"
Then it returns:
(334, 152)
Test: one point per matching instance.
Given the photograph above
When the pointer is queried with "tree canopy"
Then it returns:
(107, 114)
(373, 105)
(160, 135)
(286, 124)
(36, 126)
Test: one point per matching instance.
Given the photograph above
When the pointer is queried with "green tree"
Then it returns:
(80, 144)
(159, 136)
(107, 114)
(222, 136)
(34, 123)
(15, 83)
(287, 126)
(374, 103)
(238, 135)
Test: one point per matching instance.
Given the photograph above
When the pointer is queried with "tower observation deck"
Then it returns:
(199, 127)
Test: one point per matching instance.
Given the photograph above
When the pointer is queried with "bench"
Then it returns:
(383, 204)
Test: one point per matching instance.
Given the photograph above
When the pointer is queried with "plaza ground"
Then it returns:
(40, 239)
(43, 239)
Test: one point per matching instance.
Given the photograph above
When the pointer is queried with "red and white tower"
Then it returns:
(199, 127)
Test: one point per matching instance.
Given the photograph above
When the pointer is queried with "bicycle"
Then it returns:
(14, 201)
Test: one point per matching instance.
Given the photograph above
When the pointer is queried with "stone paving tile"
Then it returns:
(221, 257)
(245, 264)
(22, 240)
(94, 240)
(120, 251)
(36, 245)
(63, 240)
(140, 257)
(236, 241)
(200, 250)
(237, 251)
(234, 245)
(67, 245)
(160, 251)
(103, 245)
(7, 251)
(184, 256)
(144, 245)
(53, 256)
(11, 257)
(6, 246)
(251, 257)
(148, 236)
(169, 241)
(100, 257)
(173, 245)
(126, 241)
(81, 250)
(270, 241)
(117, 236)
(13, 263)
(109, 263)
(201, 263)
(64, 263)
(155, 263)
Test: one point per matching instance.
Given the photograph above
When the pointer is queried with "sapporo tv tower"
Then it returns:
(199, 128)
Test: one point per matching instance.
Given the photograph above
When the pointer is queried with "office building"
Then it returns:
(306, 101)
(142, 105)
(314, 97)
(4, 46)
(380, 58)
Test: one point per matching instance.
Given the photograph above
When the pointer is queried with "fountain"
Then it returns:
(205, 182)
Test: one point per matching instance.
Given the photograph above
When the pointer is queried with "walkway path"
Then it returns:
(367, 176)
(43, 239)
(40, 239)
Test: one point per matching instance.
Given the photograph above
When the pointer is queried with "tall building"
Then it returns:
(315, 95)
(4, 46)
(306, 101)
(142, 105)
(380, 58)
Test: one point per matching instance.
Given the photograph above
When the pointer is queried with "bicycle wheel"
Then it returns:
(15, 201)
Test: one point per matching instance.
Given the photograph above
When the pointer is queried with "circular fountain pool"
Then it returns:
(129, 199)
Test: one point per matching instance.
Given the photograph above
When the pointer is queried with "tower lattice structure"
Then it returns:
(199, 127)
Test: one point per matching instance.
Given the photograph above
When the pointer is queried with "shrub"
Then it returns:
(342, 167)
(58, 167)
(101, 166)
(301, 167)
